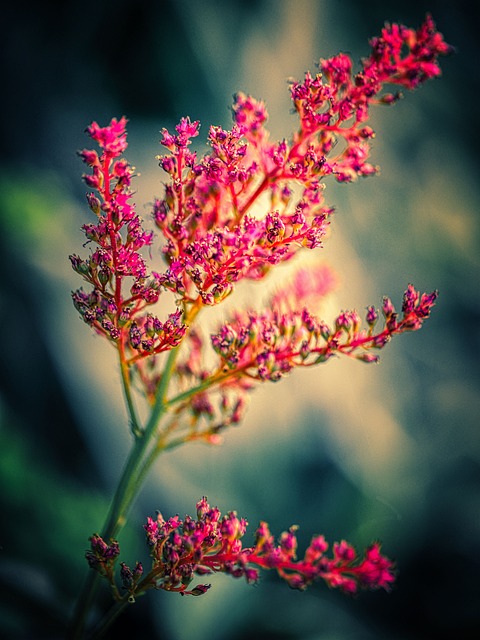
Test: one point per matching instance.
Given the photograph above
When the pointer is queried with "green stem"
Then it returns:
(135, 424)
(127, 489)
(210, 382)
(132, 477)
(155, 452)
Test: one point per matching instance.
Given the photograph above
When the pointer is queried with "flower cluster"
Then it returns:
(102, 556)
(267, 345)
(212, 236)
(253, 347)
(339, 108)
(119, 237)
(212, 543)
(213, 239)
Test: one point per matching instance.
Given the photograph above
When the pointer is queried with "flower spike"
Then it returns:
(212, 543)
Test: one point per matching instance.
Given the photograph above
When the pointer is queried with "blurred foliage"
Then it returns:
(46, 516)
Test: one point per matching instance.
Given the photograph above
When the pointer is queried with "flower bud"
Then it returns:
(372, 316)
(94, 203)
(199, 590)
(367, 357)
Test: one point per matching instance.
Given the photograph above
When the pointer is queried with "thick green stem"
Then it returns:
(133, 475)
(130, 483)
(126, 491)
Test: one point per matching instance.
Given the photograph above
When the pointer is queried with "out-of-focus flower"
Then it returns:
(269, 344)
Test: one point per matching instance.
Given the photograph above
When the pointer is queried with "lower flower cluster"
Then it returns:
(212, 543)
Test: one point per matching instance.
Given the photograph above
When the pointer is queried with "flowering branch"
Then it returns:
(212, 239)
(183, 549)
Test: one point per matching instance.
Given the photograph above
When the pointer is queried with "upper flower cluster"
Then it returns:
(213, 238)
(119, 235)
(213, 235)
(211, 543)
(336, 103)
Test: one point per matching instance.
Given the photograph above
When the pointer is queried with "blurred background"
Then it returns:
(352, 451)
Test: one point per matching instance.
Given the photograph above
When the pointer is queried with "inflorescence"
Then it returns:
(183, 549)
(211, 239)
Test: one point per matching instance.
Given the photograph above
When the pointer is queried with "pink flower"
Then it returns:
(102, 556)
(185, 131)
(338, 108)
(268, 345)
(211, 234)
(183, 549)
(112, 139)
(112, 309)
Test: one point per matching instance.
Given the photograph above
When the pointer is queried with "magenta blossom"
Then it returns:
(213, 236)
(212, 543)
